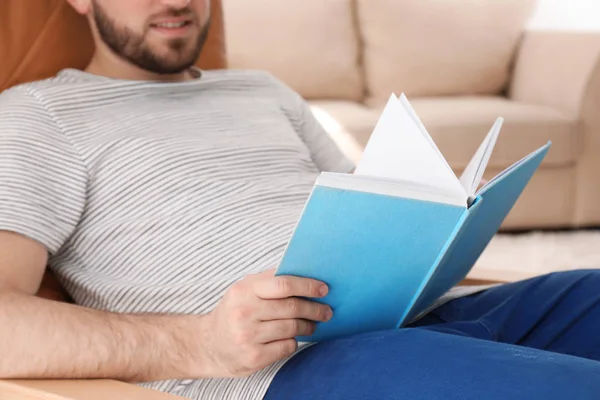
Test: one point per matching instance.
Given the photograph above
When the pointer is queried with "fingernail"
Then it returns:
(323, 290)
(328, 314)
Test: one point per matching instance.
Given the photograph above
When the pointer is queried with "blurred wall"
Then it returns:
(577, 15)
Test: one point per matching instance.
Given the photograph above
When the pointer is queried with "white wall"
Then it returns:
(578, 15)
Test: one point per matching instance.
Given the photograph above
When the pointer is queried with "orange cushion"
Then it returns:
(40, 37)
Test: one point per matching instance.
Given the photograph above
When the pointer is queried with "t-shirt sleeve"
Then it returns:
(325, 153)
(42, 178)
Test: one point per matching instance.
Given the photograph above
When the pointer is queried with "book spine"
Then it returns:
(456, 233)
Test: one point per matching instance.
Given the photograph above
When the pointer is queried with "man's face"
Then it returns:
(164, 37)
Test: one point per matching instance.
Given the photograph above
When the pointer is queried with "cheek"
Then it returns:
(128, 13)
(202, 8)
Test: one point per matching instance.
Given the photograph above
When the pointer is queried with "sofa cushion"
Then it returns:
(439, 47)
(309, 44)
(458, 125)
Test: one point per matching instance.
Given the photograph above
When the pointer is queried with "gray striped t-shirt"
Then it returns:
(156, 197)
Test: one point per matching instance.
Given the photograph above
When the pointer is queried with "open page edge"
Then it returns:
(506, 171)
(401, 189)
(417, 120)
(432, 167)
(473, 173)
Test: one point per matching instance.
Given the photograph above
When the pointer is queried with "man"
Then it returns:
(163, 196)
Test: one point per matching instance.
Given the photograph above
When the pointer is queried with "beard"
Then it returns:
(181, 54)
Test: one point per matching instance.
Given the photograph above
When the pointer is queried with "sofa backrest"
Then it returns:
(365, 49)
(440, 47)
(40, 37)
(312, 45)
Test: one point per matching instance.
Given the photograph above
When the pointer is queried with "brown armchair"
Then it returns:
(37, 39)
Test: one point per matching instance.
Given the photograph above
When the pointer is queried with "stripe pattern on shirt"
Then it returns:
(154, 197)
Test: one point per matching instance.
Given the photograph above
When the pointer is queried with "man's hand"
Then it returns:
(253, 326)
(255, 323)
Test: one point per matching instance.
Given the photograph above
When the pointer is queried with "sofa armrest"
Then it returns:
(555, 68)
(77, 390)
(561, 70)
(102, 389)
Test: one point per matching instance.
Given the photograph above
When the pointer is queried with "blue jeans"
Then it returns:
(535, 339)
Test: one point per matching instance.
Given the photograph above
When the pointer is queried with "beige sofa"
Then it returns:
(462, 64)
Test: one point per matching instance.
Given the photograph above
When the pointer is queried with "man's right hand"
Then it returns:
(256, 322)
(253, 326)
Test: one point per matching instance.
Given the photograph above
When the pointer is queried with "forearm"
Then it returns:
(42, 339)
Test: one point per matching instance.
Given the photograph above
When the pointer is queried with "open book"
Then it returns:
(402, 230)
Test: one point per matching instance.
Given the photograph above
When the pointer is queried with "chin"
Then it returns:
(168, 69)
(177, 68)
(168, 57)
(173, 64)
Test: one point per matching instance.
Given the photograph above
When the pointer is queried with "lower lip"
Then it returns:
(173, 32)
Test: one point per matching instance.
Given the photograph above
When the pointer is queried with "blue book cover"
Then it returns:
(403, 229)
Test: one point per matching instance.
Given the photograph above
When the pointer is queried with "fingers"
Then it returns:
(293, 308)
(263, 355)
(280, 349)
(272, 331)
(281, 287)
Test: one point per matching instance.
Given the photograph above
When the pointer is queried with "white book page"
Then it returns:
(399, 151)
(413, 114)
(407, 190)
(473, 173)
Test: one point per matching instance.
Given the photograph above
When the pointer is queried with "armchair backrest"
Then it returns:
(38, 38)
